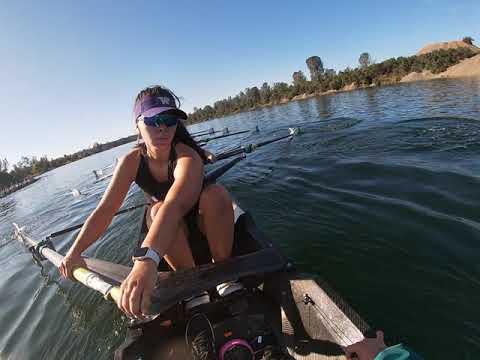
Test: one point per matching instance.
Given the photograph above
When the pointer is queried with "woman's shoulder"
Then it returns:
(131, 158)
(183, 150)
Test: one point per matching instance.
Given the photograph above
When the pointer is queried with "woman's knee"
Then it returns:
(216, 197)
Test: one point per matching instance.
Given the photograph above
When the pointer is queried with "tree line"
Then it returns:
(29, 167)
(368, 73)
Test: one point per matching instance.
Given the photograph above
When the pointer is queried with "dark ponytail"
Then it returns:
(182, 135)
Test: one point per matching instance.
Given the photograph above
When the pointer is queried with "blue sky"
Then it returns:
(69, 70)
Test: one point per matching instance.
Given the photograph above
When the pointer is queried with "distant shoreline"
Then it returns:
(454, 59)
(16, 187)
(32, 168)
(453, 72)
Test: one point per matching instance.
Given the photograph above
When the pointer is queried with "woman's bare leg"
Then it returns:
(216, 220)
(178, 255)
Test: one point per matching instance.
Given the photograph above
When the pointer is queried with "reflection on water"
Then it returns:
(323, 105)
(7, 206)
(379, 195)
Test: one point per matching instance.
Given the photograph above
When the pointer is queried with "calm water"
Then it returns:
(380, 195)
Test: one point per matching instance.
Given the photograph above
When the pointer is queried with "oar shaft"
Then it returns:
(230, 153)
(272, 141)
(82, 275)
(78, 226)
(213, 175)
(204, 141)
(206, 133)
(199, 133)
(248, 148)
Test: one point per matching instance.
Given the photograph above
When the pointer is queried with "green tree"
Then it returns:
(220, 107)
(364, 60)
(315, 66)
(4, 165)
(299, 78)
(253, 96)
(329, 73)
(280, 90)
(468, 40)
(265, 93)
(299, 84)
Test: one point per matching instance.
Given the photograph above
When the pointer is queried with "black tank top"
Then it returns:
(151, 187)
(148, 183)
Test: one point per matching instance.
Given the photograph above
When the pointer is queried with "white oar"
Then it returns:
(88, 278)
(246, 149)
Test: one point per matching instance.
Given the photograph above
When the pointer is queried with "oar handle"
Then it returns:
(95, 282)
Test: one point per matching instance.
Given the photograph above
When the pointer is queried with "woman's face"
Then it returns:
(160, 137)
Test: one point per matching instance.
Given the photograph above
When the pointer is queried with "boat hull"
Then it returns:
(307, 318)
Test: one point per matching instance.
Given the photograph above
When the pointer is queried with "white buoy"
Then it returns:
(98, 173)
(76, 193)
(293, 131)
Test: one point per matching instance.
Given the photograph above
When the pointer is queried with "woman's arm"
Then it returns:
(181, 197)
(138, 286)
(102, 216)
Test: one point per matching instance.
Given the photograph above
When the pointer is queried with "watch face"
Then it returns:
(140, 252)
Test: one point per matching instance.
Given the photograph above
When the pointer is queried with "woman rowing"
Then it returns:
(190, 223)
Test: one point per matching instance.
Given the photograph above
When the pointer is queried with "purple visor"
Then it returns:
(150, 106)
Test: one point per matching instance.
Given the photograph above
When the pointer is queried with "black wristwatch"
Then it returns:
(144, 253)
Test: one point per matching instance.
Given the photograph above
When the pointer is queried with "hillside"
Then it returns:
(446, 45)
(447, 59)
(465, 68)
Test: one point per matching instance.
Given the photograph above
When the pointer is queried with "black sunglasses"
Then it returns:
(157, 120)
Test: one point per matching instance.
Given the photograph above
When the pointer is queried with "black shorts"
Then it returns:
(196, 240)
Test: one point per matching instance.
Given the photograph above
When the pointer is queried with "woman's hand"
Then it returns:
(137, 288)
(69, 262)
(366, 349)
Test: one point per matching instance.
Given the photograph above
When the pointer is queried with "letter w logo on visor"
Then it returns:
(164, 100)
